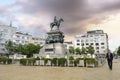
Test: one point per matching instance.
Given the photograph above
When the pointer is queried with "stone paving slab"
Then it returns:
(17, 72)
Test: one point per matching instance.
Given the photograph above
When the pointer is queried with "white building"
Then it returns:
(17, 56)
(22, 38)
(38, 41)
(6, 33)
(68, 45)
(96, 38)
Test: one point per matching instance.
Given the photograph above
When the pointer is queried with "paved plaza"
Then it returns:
(16, 72)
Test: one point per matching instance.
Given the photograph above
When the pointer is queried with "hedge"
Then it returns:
(5, 60)
(58, 61)
(55, 61)
(28, 61)
(62, 61)
(91, 61)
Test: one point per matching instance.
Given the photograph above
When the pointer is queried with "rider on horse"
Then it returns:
(56, 23)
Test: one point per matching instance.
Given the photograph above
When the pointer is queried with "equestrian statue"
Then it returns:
(56, 23)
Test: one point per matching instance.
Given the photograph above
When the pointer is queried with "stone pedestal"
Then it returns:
(54, 47)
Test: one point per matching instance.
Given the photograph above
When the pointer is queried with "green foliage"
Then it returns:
(23, 61)
(37, 49)
(71, 50)
(71, 58)
(19, 48)
(31, 61)
(0, 60)
(9, 45)
(83, 50)
(118, 51)
(6, 60)
(77, 60)
(42, 58)
(91, 61)
(54, 61)
(90, 50)
(37, 58)
(78, 51)
(62, 61)
(29, 49)
(46, 60)
(27, 61)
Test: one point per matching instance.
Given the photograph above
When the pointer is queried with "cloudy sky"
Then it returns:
(34, 16)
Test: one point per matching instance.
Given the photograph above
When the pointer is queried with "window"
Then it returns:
(23, 37)
(91, 36)
(82, 44)
(17, 41)
(27, 37)
(78, 44)
(36, 42)
(3, 49)
(26, 42)
(82, 40)
(97, 47)
(22, 41)
(91, 43)
(102, 47)
(78, 40)
(17, 36)
(41, 42)
(86, 40)
(97, 51)
(97, 44)
(87, 43)
(102, 43)
(91, 40)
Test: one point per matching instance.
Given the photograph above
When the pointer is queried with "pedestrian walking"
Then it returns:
(109, 57)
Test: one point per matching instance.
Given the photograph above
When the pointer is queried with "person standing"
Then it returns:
(109, 57)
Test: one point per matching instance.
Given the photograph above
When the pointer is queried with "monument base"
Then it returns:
(55, 50)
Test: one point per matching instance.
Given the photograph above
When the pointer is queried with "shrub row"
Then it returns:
(28, 61)
(5, 61)
(59, 61)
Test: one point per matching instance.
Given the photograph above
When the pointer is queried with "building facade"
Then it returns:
(6, 33)
(68, 45)
(22, 38)
(38, 41)
(96, 38)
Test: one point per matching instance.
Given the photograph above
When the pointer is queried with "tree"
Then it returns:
(19, 48)
(71, 50)
(30, 49)
(37, 49)
(78, 51)
(118, 51)
(9, 47)
(90, 50)
(83, 50)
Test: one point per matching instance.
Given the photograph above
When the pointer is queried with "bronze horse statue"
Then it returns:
(56, 23)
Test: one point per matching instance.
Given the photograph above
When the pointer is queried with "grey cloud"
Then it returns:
(76, 13)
